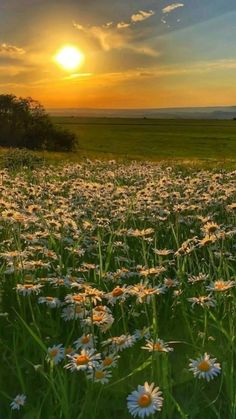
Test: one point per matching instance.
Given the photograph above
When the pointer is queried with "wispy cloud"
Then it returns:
(12, 50)
(172, 7)
(123, 25)
(109, 36)
(142, 15)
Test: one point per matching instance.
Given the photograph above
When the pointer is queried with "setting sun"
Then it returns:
(69, 58)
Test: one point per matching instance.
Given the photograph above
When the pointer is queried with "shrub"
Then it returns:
(16, 159)
(25, 124)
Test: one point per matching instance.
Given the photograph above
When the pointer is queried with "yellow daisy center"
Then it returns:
(117, 292)
(82, 359)
(49, 298)
(99, 375)
(204, 366)
(54, 353)
(220, 285)
(77, 298)
(97, 318)
(158, 347)
(121, 341)
(144, 400)
(85, 339)
(107, 361)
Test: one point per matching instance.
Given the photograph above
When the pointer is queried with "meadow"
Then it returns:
(114, 275)
(153, 139)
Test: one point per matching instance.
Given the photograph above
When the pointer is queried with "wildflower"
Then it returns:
(51, 302)
(171, 283)
(192, 279)
(210, 228)
(142, 333)
(100, 375)
(118, 343)
(85, 342)
(73, 312)
(110, 360)
(208, 239)
(75, 298)
(101, 319)
(203, 301)
(118, 293)
(157, 345)
(27, 289)
(220, 285)
(145, 401)
(145, 292)
(86, 360)
(163, 252)
(56, 353)
(18, 401)
(205, 367)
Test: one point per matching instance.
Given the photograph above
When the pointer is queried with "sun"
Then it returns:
(69, 58)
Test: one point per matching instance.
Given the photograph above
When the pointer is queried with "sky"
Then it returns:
(138, 53)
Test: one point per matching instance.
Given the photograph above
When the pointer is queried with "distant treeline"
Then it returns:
(25, 124)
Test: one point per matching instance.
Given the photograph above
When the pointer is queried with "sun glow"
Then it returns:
(69, 58)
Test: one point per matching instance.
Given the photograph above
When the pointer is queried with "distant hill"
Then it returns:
(224, 112)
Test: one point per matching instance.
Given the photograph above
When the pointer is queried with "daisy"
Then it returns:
(157, 345)
(73, 312)
(142, 333)
(145, 401)
(203, 301)
(86, 360)
(85, 342)
(118, 293)
(220, 285)
(118, 343)
(56, 353)
(110, 360)
(51, 302)
(205, 367)
(27, 289)
(100, 375)
(101, 319)
(18, 401)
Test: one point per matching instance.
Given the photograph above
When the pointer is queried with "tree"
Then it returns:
(24, 123)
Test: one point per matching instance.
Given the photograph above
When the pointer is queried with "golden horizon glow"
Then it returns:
(69, 58)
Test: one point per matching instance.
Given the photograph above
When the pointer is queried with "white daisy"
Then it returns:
(205, 367)
(51, 302)
(110, 360)
(144, 401)
(56, 353)
(27, 289)
(100, 375)
(157, 345)
(86, 360)
(118, 343)
(86, 341)
(18, 401)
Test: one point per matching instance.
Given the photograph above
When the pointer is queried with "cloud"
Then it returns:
(7, 49)
(123, 25)
(172, 7)
(142, 15)
(111, 37)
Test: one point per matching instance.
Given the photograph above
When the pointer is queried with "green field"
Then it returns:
(153, 139)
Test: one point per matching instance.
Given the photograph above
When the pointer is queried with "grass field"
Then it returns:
(153, 139)
(111, 276)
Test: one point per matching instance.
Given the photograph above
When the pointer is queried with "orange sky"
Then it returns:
(144, 55)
